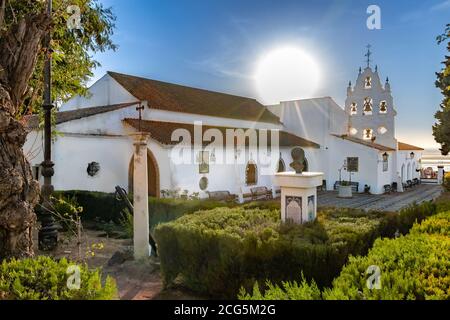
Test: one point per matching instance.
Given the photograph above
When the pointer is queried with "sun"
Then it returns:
(284, 74)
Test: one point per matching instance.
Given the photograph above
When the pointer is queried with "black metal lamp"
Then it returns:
(48, 234)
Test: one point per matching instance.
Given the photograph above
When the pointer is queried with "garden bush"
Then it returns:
(215, 252)
(414, 267)
(43, 278)
(97, 206)
(447, 181)
(104, 207)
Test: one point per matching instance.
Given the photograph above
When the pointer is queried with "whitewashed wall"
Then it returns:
(106, 91)
(338, 152)
(313, 119)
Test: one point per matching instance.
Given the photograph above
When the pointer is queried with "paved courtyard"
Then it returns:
(385, 202)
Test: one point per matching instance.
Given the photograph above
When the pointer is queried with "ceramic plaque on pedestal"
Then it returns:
(311, 208)
(294, 209)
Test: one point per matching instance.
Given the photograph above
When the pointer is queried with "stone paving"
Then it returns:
(385, 202)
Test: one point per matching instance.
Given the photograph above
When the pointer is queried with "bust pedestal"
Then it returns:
(299, 195)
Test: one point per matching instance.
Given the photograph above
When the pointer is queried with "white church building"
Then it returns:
(93, 149)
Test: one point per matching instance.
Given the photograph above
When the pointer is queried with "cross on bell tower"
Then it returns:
(368, 54)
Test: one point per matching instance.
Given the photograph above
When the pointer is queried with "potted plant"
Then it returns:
(345, 190)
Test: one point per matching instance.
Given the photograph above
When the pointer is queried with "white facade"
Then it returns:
(103, 137)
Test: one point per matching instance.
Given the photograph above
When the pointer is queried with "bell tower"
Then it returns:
(370, 107)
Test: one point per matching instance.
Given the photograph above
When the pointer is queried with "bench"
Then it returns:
(222, 196)
(261, 193)
(355, 186)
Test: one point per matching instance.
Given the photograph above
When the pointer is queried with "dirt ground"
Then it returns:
(135, 280)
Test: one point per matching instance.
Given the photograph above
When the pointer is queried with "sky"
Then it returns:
(216, 44)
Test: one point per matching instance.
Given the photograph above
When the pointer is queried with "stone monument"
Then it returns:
(141, 228)
(298, 191)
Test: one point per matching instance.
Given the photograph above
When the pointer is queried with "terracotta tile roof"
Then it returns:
(173, 97)
(406, 147)
(364, 142)
(162, 132)
(32, 122)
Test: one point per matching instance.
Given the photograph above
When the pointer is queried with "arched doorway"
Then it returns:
(152, 175)
(251, 174)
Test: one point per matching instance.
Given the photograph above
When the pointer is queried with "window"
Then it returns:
(382, 130)
(368, 134)
(353, 108)
(281, 166)
(383, 107)
(203, 166)
(251, 174)
(368, 106)
(368, 83)
(385, 157)
(352, 164)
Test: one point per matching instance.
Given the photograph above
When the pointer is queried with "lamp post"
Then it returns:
(48, 234)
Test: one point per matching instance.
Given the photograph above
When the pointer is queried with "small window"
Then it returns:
(383, 107)
(385, 165)
(281, 166)
(368, 83)
(368, 106)
(382, 130)
(354, 109)
(368, 134)
(251, 174)
(203, 166)
(352, 164)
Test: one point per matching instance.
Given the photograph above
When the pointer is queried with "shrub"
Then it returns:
(97, 206)
(217, 251)
(43, 278)
(288, 291)
(67, 212)
(166, 210)
(104, 207)
(447, 181)
(412, 267)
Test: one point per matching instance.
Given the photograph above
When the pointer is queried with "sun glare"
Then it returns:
(286, 74)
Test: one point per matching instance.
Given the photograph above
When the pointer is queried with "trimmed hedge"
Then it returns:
(414, 267)
(43, 278)
(98, 206)
(217, 251)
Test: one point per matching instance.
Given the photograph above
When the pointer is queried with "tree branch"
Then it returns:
(2, 12)
(19, 48)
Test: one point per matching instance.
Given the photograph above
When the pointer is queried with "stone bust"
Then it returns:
(298, 155)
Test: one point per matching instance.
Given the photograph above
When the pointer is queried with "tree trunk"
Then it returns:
(19, 193)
